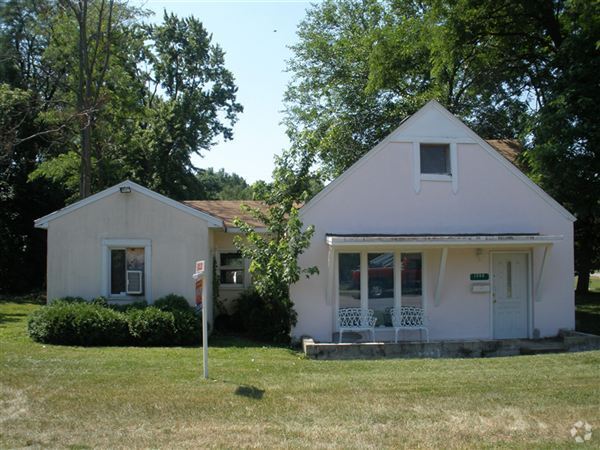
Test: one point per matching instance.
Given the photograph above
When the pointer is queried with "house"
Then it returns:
(433, 217)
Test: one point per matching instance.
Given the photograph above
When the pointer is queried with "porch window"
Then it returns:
(231, 269)
(381, 286)
(349, 280)
(127, 271)
(412, 288)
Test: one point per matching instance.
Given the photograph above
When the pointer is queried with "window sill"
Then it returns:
(435, 177)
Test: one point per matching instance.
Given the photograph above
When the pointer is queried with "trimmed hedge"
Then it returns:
(73, 321)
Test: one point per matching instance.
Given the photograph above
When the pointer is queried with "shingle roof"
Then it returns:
(509, 148)
(227, 210)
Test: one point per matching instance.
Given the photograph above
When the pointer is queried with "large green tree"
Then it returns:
(509, 69)
(91, 95)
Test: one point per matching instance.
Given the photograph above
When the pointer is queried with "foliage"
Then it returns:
(151, 326)
(273, 254)
(266, 318)
(509, 69)
(220, 185)
(74, 323)
(152, 96)
(172, 302)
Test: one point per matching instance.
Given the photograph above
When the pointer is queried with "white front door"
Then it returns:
(510, 295)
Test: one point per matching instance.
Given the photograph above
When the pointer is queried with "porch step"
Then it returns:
(535, 348)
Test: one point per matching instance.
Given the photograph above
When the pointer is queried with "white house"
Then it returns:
(433, 217)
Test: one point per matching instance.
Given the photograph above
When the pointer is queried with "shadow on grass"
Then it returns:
(11, 318)
(35, 298)
(587, 312)
(250, 392)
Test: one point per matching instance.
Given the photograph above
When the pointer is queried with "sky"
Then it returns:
(255, 36)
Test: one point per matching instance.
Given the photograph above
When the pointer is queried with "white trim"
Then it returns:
(538, 285)
(440, 280)
(107, 246)
(416, 145)
(454, 166)
(442, 241)
(471, 137)
(331, 269)
(236, 230)
(212, 221)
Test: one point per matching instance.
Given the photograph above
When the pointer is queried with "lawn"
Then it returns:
(71, 397)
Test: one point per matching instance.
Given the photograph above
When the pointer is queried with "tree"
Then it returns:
(143, 100)
(274, 254)
(221, 185)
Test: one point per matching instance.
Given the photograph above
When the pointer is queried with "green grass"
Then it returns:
(261, 397)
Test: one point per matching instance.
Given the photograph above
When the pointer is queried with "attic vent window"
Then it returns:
(435, 159)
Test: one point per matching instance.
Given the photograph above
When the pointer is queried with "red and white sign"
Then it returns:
(200, 266)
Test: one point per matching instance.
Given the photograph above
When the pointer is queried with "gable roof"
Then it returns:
(228, 210)
(468, 134)
(212, 221)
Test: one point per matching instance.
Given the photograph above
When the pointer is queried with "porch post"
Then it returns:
(538, 285)
(440, 280)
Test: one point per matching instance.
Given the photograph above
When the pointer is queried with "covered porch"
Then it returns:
(463, 286)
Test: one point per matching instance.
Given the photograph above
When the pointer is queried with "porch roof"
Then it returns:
(441, 240)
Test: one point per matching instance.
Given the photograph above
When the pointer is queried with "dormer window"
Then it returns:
(435, 159)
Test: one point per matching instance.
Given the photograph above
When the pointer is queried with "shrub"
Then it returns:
(151, 326)
(77, 323)
(69, 299)
(266, 319)
(172, 302)
(188, 327)
(100, 301)
(142, 304)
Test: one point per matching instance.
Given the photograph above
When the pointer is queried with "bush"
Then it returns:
(76, 323)
(266, 319)
(151, 326)
(172, 302)
(68, 299)
(188, 327)
(142, 304)
(73, 321)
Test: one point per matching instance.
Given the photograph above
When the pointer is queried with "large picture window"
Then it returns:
(349, 280)
(412, 276)
(391, 279)
(381, 286)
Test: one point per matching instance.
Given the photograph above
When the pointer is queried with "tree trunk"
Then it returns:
(583, 283)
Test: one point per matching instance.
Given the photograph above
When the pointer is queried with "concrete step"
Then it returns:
(535, 348)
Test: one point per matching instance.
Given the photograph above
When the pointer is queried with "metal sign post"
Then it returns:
(199, 277)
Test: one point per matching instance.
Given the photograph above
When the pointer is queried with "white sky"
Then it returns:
(255, 36)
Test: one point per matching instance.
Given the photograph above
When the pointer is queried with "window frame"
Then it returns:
(123, 244)
(419, 177)
(244, 268)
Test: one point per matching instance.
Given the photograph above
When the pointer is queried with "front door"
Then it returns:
(510, 295)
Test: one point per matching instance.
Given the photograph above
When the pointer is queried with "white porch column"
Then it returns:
(440, 280)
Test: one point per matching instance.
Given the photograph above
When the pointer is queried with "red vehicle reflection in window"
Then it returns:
(381, 275)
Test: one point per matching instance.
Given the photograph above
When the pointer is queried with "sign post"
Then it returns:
(199, 277)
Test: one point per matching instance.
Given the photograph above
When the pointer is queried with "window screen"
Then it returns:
(435, 159)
